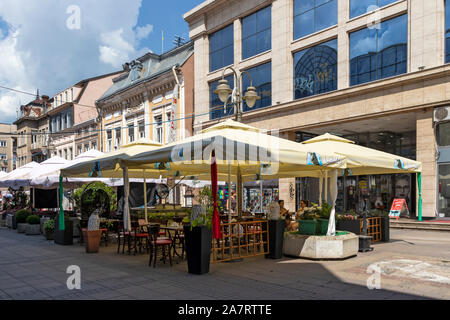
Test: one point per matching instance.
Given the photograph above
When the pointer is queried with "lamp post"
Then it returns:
(225, 92)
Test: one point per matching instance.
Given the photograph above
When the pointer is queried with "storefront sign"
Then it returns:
(397, 208)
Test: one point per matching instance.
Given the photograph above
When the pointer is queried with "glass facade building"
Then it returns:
(315, 70)
(257, 33)
(379, 52)
(262, 81)
(217, 109)
(221, 48)
(313, 15)
(359, 7)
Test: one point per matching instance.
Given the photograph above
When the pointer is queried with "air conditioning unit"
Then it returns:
(441, 114)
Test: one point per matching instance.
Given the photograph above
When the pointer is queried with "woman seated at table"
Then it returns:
(291, 225)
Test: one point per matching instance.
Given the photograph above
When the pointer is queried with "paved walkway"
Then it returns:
(33, 268)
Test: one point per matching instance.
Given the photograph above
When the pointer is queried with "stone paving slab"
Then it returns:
(36, 269)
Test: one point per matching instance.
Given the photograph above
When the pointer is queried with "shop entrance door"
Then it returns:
(444, 190)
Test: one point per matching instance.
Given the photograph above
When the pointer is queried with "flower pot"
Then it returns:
(276, 237)
(49, 235)
(322, 226)
(198, 248)
(21, 227)
(92, 240)
(352, 226)
(33, 229)
(64, 237)
(14, 222)
(385, 229)
(43, 220)
(307, 227)
(9, 219)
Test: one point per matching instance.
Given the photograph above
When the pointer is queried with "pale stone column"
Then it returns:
(124, 124)
(286, 187)
(343, 46)
(282, 60)
(147, 116)
(426, 153)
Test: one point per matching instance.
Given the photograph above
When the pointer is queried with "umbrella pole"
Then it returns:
(145, 198)
(60, 204)
(239, 192)
(325, 180)
(334, 192)
(229, 193)
(320, 188)
(126, 209)
(261, 196)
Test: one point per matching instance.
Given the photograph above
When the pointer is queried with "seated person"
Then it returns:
(283, 211)
(301, 210)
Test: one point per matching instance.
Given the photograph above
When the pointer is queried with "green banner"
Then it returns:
(61, 211)
(419, 183)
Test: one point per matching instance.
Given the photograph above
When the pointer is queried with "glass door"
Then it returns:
(444, 190)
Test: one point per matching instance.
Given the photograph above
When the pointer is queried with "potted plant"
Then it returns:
(198, 234)
(324, 218)
(277, 226)
(33, 225)
(49, 229)
(348, 222)
(92, 234)
(63, 237)
(21, 220)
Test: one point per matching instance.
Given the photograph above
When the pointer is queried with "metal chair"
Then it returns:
(155, 243)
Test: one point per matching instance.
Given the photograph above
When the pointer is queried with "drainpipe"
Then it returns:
(99, 118)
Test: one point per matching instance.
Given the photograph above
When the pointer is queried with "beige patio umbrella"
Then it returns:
(241, 151)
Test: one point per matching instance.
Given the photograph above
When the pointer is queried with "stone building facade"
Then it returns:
(8, 145)
(373, 71)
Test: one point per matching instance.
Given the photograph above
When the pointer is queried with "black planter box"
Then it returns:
(14, 222)
(276, 237)
(64, 237)
(364, 243)
(198, 248)
(352, 226)
(385, 230)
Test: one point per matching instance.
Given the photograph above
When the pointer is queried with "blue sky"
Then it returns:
(167, 16)
(51, 45)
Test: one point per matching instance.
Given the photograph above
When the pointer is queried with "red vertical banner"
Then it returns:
(215, 217)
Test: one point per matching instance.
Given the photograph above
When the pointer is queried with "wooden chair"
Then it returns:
(155, 243)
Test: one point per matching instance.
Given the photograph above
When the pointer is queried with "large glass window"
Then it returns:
(315, 70)
(256, 33)
(444, 190)
(262, 81)
(379, 52)
(221, 48)
(217, 109)
(313, 15)
(359, 7)
(444, 134)
(447, 31)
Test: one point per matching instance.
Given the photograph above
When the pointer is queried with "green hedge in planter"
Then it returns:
(307, 227)
(21, 216)
(322, 226)
(33, 219)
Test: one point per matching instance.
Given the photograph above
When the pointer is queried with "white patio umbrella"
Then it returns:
(15, 175)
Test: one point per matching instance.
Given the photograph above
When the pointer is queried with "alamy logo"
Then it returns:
(374, 281)
(73, 22)
(74, 280)
(374, 19)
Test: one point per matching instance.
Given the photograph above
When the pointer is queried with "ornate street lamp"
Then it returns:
(225, 92)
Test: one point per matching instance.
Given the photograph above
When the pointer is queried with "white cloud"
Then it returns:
(115, 49)
(143, 32)
(39, 51)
